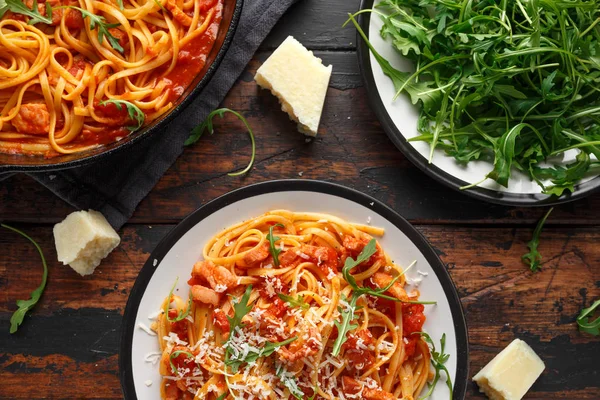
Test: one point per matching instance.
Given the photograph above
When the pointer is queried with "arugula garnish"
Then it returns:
(98, 21)
(222, 397)
(135, 113)
(18, 7)
(294, 302)
(348, 314)
(272, 239)
(269, 348)
(182, 314)
(197, 132)
(289, 382)
(437, 360)
(25, 305)
(511, 82)
(176, 354)
(593, 327)
(533, 257)
(240, 309)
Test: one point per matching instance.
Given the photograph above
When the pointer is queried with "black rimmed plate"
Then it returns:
(182, 247)
(399, 120)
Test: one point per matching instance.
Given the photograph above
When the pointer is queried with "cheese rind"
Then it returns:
(299, 80)
(83, 239)
(511, 373)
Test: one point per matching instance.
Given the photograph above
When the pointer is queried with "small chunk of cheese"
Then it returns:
(511, 373)
(299, 80)
(83, 239)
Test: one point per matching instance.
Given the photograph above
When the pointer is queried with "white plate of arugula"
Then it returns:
(499, 103)
(182, 247)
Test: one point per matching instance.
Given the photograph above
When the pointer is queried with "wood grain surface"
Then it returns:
(68, 346)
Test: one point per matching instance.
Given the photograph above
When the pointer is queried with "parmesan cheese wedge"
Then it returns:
(511, 373)
(83, 239)
(299, 80)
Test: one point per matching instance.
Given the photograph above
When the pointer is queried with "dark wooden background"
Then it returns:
(68, 347)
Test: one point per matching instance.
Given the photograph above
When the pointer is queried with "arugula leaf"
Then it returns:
(182, 314)
(97, 21)
(135, 113)
(438, 359)
(533, 257)
(25, 305)
(345, 325)
(18, 7)
(240, 309)
(272, 239)
(222, 397)
(289, 382)
(269, 348)
(585, 325)
(294, 302)
(417, 91)
(176, 354)
(197, 132)
(120, 3)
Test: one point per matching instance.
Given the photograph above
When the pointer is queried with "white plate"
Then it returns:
(399, 119)
(182, 247)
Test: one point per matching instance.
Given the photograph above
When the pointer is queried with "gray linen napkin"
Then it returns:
(116, 185)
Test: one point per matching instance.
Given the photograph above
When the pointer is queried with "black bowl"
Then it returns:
(232, 10)
(505, 198)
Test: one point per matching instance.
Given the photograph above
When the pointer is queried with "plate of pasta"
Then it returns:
(294, 289)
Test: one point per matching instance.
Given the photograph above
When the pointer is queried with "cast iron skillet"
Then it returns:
(504, 198)
(20, 163)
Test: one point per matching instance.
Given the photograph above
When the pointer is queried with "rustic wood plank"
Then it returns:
(317, 24)
(72, 336)
(352, 150)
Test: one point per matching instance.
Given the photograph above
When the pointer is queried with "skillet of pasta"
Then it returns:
(294, 305)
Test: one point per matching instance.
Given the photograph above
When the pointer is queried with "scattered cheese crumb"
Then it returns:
(148, 383)
(146, 329)
(155, 262)
(300, 173)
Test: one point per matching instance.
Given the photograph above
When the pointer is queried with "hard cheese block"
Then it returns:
(83, 239)
(299, 80)
(511, 373)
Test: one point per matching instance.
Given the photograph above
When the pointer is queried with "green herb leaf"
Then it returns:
(345, 325)
(18, 7)
(294, 302)
(438, 359)
(197, 132)
(269, 348)
(593, 327)
(175, 354)
(99, 22)
(134, 112)
(240, 309)
(25, 305)
(182, 314)
(533, 257)
(272, 239)
(120, 3)
(222, 397)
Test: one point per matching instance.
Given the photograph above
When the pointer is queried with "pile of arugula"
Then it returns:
(516, 82)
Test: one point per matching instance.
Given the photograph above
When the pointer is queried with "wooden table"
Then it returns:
(68, 347)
